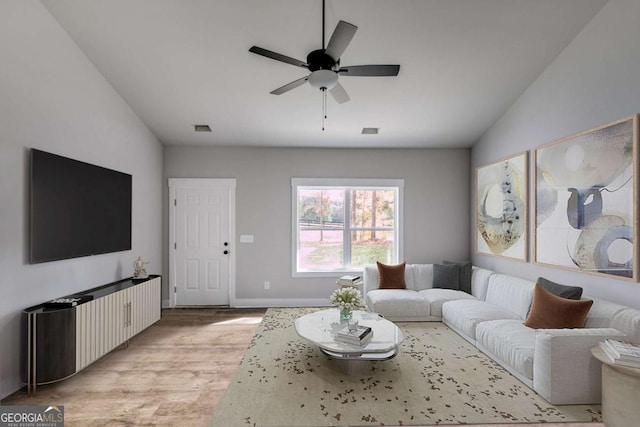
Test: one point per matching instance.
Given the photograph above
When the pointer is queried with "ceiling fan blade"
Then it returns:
(340, 39)
(370, 70)
(339, 94)
(286, 88)
(277, 56)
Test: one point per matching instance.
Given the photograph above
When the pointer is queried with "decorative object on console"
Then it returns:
(391, 276)
(564, 291)
(346, 300)
(67, 302)
(139, 269)
(549, 311)
(586, 203)
(501, 208)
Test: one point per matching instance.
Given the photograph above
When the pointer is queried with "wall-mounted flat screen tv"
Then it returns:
(77, 209)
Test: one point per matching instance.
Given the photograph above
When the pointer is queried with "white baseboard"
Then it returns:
(284, 302)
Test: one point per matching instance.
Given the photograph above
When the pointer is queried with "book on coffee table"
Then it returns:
(360, 336)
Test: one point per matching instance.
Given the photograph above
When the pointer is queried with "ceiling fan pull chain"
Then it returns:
(324, 106)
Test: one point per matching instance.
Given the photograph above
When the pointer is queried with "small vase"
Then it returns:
(345, 314)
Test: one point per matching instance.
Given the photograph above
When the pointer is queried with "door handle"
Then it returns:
(225, 252)
(226, 243)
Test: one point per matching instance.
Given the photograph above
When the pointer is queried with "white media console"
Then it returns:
(61, 340)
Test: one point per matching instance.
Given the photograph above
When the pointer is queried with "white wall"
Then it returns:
(436, 205)
(52, 98)
(595, 80)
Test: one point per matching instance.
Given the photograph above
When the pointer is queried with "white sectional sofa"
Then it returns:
(419, 302)
(556, 363)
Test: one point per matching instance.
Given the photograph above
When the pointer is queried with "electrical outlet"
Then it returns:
(267, 285)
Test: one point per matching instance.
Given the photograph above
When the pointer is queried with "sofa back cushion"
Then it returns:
(511, 293)
(601, 313)
(422, 276)
(628, 321)
(479, 282)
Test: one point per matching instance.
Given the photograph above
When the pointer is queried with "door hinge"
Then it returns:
(175, 202)
(175, 245)
(175, 289)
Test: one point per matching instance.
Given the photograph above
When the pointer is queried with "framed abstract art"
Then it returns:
(501, 208)
(586, 193)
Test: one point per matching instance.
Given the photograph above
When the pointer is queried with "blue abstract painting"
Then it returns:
(585, 201)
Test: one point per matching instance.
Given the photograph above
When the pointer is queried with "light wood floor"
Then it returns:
(172, 374)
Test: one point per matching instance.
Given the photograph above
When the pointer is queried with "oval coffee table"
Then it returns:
(321, 327)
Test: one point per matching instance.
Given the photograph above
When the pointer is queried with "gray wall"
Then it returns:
(52, 98)
(595, 80)
(436, 208)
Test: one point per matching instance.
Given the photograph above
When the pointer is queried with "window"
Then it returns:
(340, 225)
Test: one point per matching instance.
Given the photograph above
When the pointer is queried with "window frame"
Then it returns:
(348, 184)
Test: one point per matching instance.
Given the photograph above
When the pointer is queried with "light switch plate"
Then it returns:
(246, 238)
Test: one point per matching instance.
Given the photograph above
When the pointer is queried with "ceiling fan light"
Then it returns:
(323, 79)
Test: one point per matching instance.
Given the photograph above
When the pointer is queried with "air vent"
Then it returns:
(202, 128)
(370, 131)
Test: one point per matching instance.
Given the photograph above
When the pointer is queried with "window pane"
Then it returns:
(369, 246)
(372, 208)
(321, 208)
(320, 249)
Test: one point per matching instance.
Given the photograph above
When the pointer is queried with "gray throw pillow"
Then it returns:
(465, 274)
(564, 291)
(446, 276)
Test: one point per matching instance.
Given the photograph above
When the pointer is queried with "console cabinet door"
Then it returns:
(99, 328)
(144, 306)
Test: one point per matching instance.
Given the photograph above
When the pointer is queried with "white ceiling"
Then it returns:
(178, 63)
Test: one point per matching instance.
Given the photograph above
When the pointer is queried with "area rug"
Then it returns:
(437, 378)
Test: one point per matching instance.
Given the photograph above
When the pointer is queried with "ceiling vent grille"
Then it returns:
(202, 128)
(370, 131)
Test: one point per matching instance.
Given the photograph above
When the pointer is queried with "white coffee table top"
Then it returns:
(321, 327)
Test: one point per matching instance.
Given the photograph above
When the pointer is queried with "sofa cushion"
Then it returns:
(464, 315)
(465, 275)
(564, 291)
(602, 312)
(549, 311)
(511, 293)
(626, 321)
(509, 341)
(446, 276)
(479, 282)
(397, 303)
(391, 276)
(422, 276)
(436, 297)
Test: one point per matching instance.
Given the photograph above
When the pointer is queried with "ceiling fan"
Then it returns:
(324, 64)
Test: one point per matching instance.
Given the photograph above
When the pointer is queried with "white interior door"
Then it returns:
(202, 227)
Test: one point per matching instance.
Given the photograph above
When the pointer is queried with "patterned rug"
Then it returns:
(438, 378)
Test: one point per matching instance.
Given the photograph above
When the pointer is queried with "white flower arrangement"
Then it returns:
(346, 298)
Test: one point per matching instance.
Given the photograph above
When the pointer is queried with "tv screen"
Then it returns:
(77, 209)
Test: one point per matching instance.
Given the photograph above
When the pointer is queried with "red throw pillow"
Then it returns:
(549, 311)
(391, 276)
